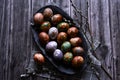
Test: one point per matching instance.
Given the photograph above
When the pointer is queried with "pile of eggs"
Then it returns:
(60, 39)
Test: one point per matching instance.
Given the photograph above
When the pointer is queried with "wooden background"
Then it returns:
(16, 42)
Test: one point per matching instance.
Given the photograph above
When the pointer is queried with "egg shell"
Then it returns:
(44, 38)
(39, 58)
(62, 36)
(66, 46)
(63, 26)
(77, 41)
(77, 61)
(51, 46)
(57, 18)
(68, 56)
(72, 32)
(53, 32)
(38, 18)
(77, 51)
(45, 26)
(48, 13)
(58, 55)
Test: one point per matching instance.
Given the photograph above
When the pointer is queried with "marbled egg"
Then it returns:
(45, 26)
(77, 61)
(72, 32)
(53, 32)
(66, 46)
(63, 26)
(44, 38)
(51, 46)
(38, 18)
(77, 51)
(76, 41)
(62, 36)
(68, 56)
(56, 18)
(58, 55)
(39, 58)
(48, 13)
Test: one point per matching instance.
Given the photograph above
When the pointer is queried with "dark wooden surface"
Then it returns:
(17, 44)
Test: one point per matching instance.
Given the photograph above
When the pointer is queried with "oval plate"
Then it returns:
(61, 67)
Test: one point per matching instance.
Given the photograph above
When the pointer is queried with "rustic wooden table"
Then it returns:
(17, 44)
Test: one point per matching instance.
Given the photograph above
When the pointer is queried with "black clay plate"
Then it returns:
(60, 67)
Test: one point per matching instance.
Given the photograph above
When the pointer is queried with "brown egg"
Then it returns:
(75, 41)
(72, 32)
(62, 36)
(39, 58)
(77, 61)
(45, 26)
(63, 26)
(56, 18)
(44, 38)
(77, 51)
(38, 18)
(48, 13)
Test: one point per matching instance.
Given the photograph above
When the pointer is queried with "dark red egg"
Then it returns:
(62, 36)
(75, 41)
(39, 58)
(77, 51)
(63, 26)
(44, 38)
(72, 32)
(56, 18)
(48, 13)
(45, 26)
(77, 61)
(38, 18)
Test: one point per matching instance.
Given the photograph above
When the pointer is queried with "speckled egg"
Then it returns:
(63, 26)
(53, 32)
(77, 51)
(68, 56)
(75, 41)
(72, 32)
(56, 18)
(66, 46)
(58, 55)
(44, 38)
(77, 61)
(62, 36)
(45, 26)
(38, 18)
(51, 46)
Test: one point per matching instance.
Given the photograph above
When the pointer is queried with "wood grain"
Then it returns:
(17, 44)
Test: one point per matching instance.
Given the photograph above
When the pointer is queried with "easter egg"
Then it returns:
(44, 38)
(53, 32)
(51, 46)
(75, 41)
(66, 46)
(63, 26)
(45, 26)
(58, 55)
(62, 36)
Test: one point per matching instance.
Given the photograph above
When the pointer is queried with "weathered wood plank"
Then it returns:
(115, 35)
(16, 43)
(99, 22)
